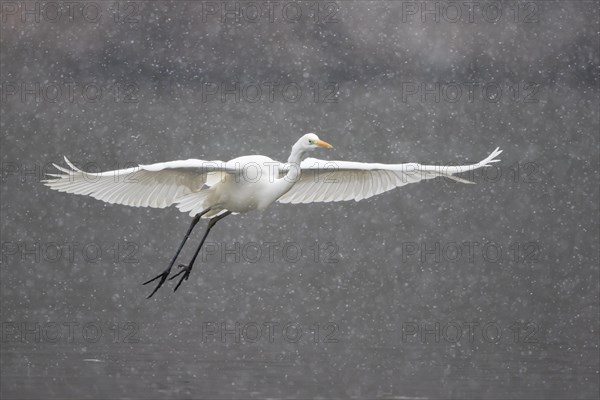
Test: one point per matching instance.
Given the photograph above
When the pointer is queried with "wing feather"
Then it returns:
(325, 181)
(155, 185)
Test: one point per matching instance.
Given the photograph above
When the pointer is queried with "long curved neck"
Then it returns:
(284, 184)
(294, 160)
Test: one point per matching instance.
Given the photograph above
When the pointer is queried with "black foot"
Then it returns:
(185, 270)
(163, 277)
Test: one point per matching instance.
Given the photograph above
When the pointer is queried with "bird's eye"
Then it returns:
(310, 141)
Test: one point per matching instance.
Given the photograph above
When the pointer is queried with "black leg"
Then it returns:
(165, 274)
(186, 269)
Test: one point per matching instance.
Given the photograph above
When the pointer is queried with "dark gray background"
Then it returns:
(376, 290)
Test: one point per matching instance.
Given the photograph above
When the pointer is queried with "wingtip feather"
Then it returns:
(70, 164)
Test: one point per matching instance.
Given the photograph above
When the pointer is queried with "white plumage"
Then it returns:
(324, 181)
(180, 182)
(215, 189)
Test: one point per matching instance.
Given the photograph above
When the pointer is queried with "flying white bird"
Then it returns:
(216, 189)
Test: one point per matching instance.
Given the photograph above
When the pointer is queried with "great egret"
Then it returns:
(216, 189)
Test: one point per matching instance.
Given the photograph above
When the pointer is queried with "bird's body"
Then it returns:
(255, 187)
(215, 189)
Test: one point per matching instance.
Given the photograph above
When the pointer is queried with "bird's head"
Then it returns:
(310, 141)
(306, 143)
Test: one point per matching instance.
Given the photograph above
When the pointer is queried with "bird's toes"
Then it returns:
(182, 269)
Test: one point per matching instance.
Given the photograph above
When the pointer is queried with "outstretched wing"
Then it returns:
(155, 185)
(324, 181)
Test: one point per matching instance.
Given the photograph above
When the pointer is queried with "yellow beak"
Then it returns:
(323, 144)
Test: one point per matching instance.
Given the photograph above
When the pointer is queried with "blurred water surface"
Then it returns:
(434, 290)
